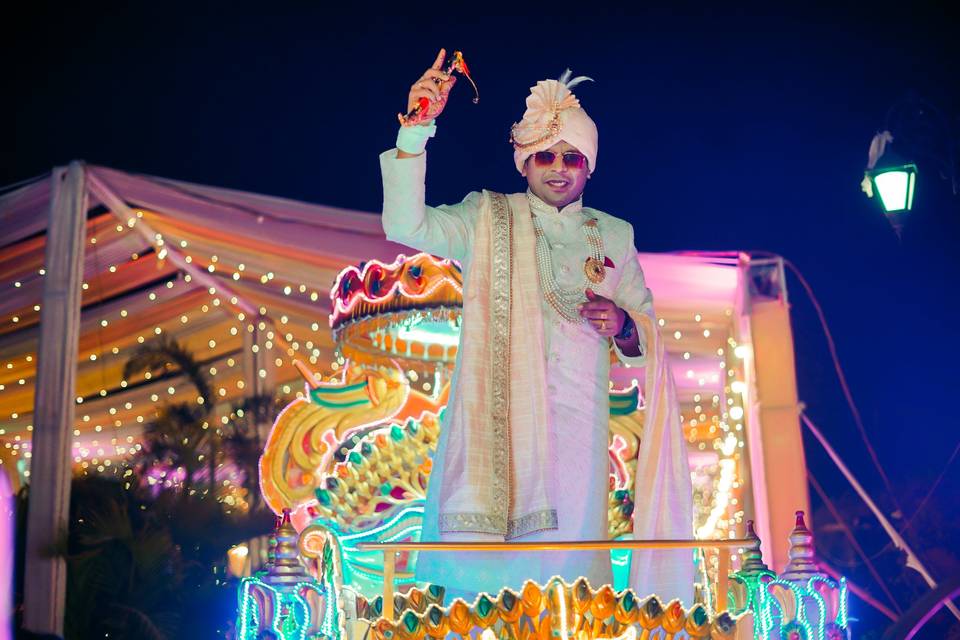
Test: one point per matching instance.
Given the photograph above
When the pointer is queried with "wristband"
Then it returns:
(414, 139)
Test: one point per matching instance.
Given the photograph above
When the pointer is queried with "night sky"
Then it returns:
(720, 129)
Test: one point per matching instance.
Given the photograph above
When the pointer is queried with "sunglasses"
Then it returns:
(571, 159)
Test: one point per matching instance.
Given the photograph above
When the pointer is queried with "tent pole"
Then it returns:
(55, 401)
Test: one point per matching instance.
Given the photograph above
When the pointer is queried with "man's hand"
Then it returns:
(434, 85)
(603, 314)
(430, 93)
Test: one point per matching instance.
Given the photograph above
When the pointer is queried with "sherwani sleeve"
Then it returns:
(632, 293)
(445, 231)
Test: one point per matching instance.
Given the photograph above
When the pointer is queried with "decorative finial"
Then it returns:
(802, 565)
(286, 568)
(272, 545)
(753, 564)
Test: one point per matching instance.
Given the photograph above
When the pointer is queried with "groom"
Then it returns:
(550, 287)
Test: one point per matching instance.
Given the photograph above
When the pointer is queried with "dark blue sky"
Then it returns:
(719, 129)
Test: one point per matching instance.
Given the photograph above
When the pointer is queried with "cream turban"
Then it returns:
(554, 114)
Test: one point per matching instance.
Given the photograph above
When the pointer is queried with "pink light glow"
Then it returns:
(7, 555)
(696, 375)
(617, 447)
(678, 281)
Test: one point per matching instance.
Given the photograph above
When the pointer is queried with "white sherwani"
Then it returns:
(577, 371)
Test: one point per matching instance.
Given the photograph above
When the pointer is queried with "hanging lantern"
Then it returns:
(892, 181)
(894, 185)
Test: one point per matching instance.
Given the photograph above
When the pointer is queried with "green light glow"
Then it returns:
(427, 332)
(895, 187)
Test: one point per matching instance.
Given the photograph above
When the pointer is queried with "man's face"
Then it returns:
(556, 184)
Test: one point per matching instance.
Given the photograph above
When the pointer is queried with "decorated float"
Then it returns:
(346, 467)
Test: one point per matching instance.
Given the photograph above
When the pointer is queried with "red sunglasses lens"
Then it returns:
(574, 160)
(570, 160)
(544, 158)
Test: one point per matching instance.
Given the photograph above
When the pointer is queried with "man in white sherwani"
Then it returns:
(549, 287)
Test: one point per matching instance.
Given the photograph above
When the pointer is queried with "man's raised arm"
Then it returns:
(446, 230)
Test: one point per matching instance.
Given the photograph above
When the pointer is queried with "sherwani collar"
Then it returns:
(539, 207)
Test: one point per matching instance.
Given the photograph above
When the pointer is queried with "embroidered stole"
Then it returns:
(663, 489)
(499, 463)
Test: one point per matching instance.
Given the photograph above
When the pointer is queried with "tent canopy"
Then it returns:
(165, 257)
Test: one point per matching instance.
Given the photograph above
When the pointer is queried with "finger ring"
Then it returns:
(603, 325)
(603, 316)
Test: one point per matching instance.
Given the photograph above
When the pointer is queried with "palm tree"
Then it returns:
(245, 435)
(177, 438)
(180, 434)
(124, 571)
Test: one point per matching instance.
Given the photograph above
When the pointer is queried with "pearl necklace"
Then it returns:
(564, 301)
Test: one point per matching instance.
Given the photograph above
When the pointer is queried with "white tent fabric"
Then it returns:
(273, 255)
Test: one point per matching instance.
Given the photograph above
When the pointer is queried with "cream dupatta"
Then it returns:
(662, 488)
(498, 464)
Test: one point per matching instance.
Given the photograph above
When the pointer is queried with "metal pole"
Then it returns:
(723, 577)
(912, 560)
(389, 569)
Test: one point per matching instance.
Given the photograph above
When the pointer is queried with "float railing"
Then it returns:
(724, 550)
